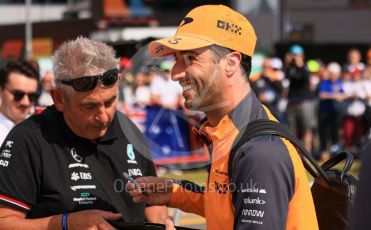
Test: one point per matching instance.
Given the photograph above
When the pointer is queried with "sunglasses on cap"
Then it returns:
(18, 95)
(88, 83)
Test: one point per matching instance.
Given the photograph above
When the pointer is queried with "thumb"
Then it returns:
(110, 215)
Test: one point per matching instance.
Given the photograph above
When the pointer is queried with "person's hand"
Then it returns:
(169, 223)
(92, 219)
(153, 191)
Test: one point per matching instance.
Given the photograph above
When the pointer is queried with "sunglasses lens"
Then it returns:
(18, 95)
(109, 78)
(84, 83)
(33, 97)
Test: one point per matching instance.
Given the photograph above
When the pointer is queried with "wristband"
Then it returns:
(64, 221)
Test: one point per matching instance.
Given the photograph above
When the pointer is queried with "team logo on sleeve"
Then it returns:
(6, 154)
(131, 154)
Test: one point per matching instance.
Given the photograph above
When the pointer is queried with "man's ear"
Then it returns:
(58, 98)
(233, 61)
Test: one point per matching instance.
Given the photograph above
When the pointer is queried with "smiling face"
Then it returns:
(17, 110)
(200, 77)
(88, 114)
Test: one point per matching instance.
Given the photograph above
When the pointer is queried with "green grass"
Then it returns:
(200, 176)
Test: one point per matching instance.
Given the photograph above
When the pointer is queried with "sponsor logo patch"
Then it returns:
(84, 200)
(4, 163)
(233, 28)
(76, 165)
(221, 187)
(9, 144)
(252, 221)
(186, 21)
(75, 155)
(130, 153)
(75, 176)
(253, 212)
(257, 200)
(6, 153)
(79, 187)
(135, 172)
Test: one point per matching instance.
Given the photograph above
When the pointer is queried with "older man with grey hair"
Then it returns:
(47, 183)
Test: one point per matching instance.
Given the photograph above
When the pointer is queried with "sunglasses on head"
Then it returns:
(88, 83)
(18, 95)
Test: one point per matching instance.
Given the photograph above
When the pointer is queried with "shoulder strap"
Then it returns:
(107, 183)
(268, 127)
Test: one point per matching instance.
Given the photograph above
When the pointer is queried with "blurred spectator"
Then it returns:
(315, 70)
(47, 80)
(367, 72)
(301, 99)
(330, 92)
(367, 79)
(353, 126)
(137, 97)
(18, 93)
(268, 85)
(164, 91)
(354, 63)
(141, 89)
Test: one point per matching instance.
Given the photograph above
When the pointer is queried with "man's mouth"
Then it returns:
(186, 85)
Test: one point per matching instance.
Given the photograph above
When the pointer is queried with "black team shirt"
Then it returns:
(43, 173)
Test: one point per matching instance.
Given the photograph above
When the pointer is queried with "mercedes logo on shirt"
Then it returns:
(75, 155)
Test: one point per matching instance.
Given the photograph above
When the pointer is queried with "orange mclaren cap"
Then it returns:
(207, 25)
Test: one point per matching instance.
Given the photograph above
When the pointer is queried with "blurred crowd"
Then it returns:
(326, 105)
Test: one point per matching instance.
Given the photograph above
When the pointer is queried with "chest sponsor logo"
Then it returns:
(257, 200)
(6, 153)
(9, 144)
(78, 165)
(76, 156)
(130, 153)
(221, 188)
(254, 190)
(220, 172)
(84, 198)
(75, 176)
(253, 212)
(4, 163)
(252, 221)
(135, 172)
(83, 187)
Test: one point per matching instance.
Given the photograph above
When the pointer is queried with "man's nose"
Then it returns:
(102, 115)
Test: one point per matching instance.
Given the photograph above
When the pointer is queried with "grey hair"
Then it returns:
(82, 57)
